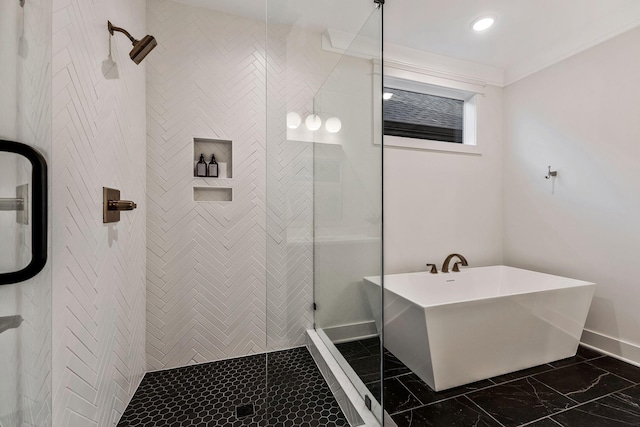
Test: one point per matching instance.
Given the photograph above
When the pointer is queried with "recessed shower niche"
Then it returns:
(223, 152)
(212, 194)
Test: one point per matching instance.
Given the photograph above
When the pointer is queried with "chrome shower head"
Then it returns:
(141, 48)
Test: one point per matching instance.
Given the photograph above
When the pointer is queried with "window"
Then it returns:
(423, 116)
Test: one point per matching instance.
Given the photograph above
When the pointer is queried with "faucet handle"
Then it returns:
(456, 267)
(434, 270)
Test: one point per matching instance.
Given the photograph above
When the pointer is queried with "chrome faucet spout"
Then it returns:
(447, 261)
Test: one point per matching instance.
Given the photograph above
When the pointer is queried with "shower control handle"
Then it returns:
(16, 204)
(112, 205)
(121, 205)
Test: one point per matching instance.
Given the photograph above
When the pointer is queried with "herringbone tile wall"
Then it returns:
(228, 279)
(98, 270)
(205, 272)
(296, 68)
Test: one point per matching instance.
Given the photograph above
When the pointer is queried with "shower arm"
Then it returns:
(122, 30)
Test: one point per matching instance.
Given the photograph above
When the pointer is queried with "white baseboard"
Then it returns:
(614, 347)
(351, 332)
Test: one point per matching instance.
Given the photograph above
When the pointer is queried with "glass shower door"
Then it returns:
(20, 306)
(347, 199)
(25, 277)
(324, 181)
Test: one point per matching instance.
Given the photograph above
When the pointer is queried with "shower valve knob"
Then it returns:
(112, 205)
(121, 205)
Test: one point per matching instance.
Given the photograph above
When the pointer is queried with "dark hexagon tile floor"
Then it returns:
(233, 393)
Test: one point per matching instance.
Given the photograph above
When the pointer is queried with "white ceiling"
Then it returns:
(528, 34)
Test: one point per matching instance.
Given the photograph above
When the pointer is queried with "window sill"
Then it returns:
(421, 144)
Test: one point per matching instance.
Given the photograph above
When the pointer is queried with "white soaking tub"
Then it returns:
(456, 328)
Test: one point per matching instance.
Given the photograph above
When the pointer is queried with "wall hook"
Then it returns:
(551, 173)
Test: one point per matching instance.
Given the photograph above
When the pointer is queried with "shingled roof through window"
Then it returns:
(423, 109)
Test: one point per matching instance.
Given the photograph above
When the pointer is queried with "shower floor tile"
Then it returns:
(283, 388)
(589, 389)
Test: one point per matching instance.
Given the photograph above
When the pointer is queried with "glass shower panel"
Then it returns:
(320, 138)
(347, 199)
(25, 307)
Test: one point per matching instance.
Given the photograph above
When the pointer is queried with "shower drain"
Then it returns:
(244, 410)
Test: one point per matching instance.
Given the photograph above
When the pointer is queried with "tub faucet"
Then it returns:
(434, 270)
(447, 261)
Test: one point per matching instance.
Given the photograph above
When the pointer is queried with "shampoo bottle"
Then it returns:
(201, 167)
(213, 167)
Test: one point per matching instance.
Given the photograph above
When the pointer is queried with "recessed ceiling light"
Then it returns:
(483, 23)
(387, 95)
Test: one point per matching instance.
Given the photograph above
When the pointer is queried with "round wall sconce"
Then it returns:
(293, 120)
(333, 125)
(313, 122)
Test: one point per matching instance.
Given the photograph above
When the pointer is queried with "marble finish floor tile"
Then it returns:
(568, 361)
(520, 398)
(367, 368)
(545, 422)
(372, 344)
(582, 382)
(583, 354)
(521, 374)
(397, 397)
(616, 410)
(393, 367)
(617, 367)
(427, 395)
(455, 412)
(354, 350)
(588, 354)
(520, 401)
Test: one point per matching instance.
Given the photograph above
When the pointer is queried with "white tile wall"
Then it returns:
(205, 272)
(98, 270)
(296, 67)
(228, 279)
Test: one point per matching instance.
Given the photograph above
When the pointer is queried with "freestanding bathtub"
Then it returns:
(456, 328)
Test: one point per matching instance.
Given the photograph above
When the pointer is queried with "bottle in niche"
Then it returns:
(201, 167)
(213, 167)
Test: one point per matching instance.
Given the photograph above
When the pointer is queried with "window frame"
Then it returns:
(407, 78)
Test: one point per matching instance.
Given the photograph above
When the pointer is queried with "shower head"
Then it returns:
(141, 48)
